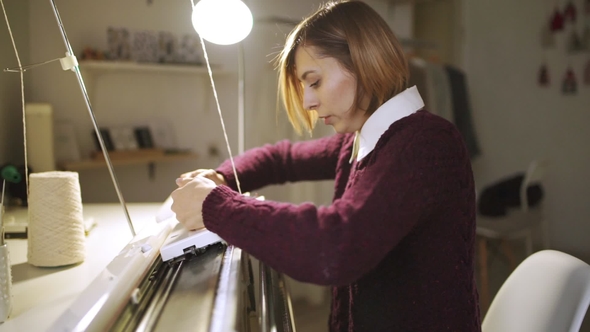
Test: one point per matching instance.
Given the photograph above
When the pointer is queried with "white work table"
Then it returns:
(40, 294)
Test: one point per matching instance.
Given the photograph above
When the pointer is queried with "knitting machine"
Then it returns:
(170, 279)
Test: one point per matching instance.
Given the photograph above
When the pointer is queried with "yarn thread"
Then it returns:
(56, 225)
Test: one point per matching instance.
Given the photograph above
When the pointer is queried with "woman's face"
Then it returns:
(329, 90)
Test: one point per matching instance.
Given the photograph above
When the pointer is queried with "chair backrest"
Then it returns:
(534, 174)
(548, 292)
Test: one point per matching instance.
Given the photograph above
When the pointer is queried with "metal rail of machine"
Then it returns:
(276, 313)
(209, 289)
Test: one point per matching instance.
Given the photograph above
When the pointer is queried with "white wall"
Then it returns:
(517, 120)
(11, 132)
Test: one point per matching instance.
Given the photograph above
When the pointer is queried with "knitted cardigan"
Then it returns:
(396, 244)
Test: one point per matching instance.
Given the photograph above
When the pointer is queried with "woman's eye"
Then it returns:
(315, 84)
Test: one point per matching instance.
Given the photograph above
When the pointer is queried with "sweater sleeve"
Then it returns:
(284, 162)
(335, 245)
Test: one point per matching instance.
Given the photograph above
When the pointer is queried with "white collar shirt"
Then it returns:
(403, 104)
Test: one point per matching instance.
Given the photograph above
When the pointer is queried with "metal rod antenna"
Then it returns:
(76, 70)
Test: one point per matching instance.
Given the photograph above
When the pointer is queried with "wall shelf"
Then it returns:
(93, 69)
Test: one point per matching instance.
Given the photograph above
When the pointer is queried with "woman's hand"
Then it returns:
(206, 173)
(188, 200)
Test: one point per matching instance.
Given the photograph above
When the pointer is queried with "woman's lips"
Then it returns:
(327, 120)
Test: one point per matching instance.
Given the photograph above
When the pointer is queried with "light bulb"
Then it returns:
(222, 22)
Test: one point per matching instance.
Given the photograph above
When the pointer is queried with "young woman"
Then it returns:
(397, 242)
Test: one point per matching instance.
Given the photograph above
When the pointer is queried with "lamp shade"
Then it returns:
(222, 22)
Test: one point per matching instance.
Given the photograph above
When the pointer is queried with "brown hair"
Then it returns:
(360, 40)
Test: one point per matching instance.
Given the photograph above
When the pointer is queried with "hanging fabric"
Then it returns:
(557, 21)
(462, 109)
(441, 91)
(419, 78)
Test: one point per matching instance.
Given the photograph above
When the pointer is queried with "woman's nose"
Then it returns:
(310, 102)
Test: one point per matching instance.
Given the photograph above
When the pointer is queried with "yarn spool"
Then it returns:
(56, 225)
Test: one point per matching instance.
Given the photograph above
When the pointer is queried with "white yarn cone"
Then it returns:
(56, 224)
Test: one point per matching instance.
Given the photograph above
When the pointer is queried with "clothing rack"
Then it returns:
(444, 89)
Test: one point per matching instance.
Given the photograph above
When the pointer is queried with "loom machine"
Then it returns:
(171, 279)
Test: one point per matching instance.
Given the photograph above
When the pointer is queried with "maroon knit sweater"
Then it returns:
(397, 243)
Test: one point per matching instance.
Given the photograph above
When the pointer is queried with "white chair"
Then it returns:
(517, 224)
(548, 292)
